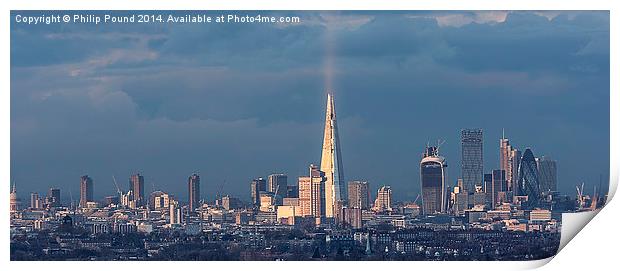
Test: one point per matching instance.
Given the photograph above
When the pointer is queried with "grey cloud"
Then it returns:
(238, 101)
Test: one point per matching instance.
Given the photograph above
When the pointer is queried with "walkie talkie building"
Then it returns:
(433, 181)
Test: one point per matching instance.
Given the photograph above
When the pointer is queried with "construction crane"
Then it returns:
(580, 196)
(119, 192)
(118, 189)
(416, 199)
(275, 193)
(71, 196)
(594, 200)
(439, 144)
(218, 195)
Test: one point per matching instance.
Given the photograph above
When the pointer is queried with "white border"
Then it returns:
(596, 246)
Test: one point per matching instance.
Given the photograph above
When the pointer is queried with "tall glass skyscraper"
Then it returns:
(471, 158)
(509, 162)
(548, 174)
(193, 187)
(433, 181)
(529, 184)
(86, 190)
(136, 186)
(514, 160)
(500, 186)
(331, 160)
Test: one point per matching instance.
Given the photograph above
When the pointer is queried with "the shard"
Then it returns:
(331, 160)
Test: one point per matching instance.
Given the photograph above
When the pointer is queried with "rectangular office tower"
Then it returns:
(86, 190)
(256, 187)
(500, 186)
(312, 194)
(53, 197)
(359, 195)
(547, 174)
(489, 191)
(193, 186)
(471, 158)
(136, 187)
(277, 184)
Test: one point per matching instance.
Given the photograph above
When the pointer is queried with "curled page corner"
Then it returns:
(572, 224)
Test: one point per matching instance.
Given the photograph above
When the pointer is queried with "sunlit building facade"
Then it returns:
(331, 160)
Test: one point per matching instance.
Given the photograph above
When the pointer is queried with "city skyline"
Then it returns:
(140, 125)
(536, 177)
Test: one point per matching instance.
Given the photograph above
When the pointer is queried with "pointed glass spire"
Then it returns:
(331, 162)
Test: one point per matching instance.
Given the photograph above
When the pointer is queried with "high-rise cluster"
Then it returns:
(521, 179)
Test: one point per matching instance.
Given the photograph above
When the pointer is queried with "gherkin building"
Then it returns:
(528, 177)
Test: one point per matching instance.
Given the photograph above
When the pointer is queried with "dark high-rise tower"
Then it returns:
(514, 160)
(471, 158)
(548, 174)
(331, 160)
(489, 190)
(136, 186)
(86, 190)
(276, 184)
(528, 177)
(53, 197)
(193, 187)
(500, 186)
(256, 187)
(433, 181)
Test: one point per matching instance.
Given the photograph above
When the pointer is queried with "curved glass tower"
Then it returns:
(433, 182)
(528, 177)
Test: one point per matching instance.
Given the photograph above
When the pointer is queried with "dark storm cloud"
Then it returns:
(238, 101)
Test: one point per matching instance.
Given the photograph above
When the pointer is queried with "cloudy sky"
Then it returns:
(237, 101)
